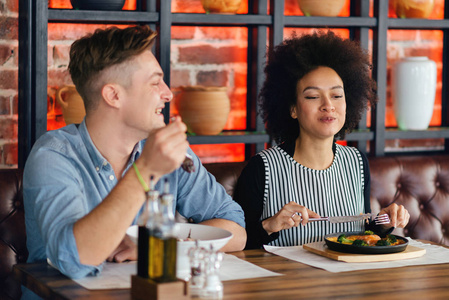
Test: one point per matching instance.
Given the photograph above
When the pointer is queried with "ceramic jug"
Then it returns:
(414, 81)
(71, 103)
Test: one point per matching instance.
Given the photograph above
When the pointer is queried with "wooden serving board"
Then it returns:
(320, 248)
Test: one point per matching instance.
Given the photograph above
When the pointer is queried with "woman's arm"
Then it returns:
(249, 194)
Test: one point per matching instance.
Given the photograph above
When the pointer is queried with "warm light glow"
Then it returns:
(220, 152)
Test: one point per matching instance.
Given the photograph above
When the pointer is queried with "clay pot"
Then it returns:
(322, 8)
(221, 6)
(418, 9)
(205, 110)
(98, 4)
(71, 103)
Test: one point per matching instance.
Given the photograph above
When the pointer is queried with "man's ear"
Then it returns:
(293, 112)
(111, 94)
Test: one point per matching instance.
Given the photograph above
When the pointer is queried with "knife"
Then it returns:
(343, 219)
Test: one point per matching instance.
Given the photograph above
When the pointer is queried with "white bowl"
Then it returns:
(207, 236)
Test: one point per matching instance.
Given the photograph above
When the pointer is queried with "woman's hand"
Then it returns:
(291, 215)
(399, 216)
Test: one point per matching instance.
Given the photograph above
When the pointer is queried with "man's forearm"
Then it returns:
(102, 230)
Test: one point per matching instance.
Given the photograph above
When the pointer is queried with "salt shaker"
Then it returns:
(197, 257)
(213, 288)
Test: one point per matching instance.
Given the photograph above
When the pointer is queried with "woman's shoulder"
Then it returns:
(283, 149)
(349, 151)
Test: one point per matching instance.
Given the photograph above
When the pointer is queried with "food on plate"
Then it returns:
(186, 240)
(365, 240)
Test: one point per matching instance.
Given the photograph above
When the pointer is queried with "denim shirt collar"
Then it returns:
(95, 155)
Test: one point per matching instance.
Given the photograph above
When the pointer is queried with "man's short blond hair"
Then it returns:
(105, 50)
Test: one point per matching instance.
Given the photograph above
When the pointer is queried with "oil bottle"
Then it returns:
(157, 243)
(149, 250)
(169, 233)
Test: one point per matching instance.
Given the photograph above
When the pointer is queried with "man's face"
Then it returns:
(146, 95)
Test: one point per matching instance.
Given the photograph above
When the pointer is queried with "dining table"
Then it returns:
(298, 281)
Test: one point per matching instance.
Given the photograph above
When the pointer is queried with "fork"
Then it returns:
(381, 219)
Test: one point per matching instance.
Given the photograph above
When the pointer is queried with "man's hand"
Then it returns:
(165, 149)
(127, 250)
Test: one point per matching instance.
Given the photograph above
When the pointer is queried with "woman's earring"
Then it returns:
(293, 113)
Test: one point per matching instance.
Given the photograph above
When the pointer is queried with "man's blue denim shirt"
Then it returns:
(66, 177)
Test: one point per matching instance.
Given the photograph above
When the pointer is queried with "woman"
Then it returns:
(316, 89)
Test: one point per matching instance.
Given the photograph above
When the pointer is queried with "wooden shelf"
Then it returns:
(230, 137)
(431, 133)
(220, 19)
(424, 24)
(360, 135)
(95, 16)
(301, 21)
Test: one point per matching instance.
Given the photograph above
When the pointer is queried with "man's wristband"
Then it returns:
(139, 176)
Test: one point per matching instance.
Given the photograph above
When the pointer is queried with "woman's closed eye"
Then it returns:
(315, 97)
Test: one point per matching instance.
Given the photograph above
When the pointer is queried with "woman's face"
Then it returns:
(320, 104)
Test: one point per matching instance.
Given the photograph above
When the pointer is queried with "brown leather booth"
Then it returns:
(12, 231)
(420, 183)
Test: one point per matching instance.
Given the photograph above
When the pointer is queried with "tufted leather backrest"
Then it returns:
(12, 231)
(226, 173)
(421, 184)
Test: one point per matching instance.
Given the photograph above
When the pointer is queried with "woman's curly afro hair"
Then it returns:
(293, 59)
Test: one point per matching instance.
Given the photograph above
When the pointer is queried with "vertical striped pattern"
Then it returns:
(336, 191)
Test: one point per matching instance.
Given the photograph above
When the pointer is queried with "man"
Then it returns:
(81, 191)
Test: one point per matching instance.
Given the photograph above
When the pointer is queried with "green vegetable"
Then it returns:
(368, 232)
(383, 243)
(392, 239)
(360, 243)
(342, 239)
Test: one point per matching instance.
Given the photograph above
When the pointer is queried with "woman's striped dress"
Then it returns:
(336, 191)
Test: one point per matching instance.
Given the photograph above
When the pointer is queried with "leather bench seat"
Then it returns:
(12, 231)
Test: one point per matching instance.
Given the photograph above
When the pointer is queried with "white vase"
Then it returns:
(413, 89)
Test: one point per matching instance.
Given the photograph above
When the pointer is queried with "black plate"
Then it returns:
(364, 250)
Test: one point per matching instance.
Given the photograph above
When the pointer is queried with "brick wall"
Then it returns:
(8, 82)
(199, 55)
